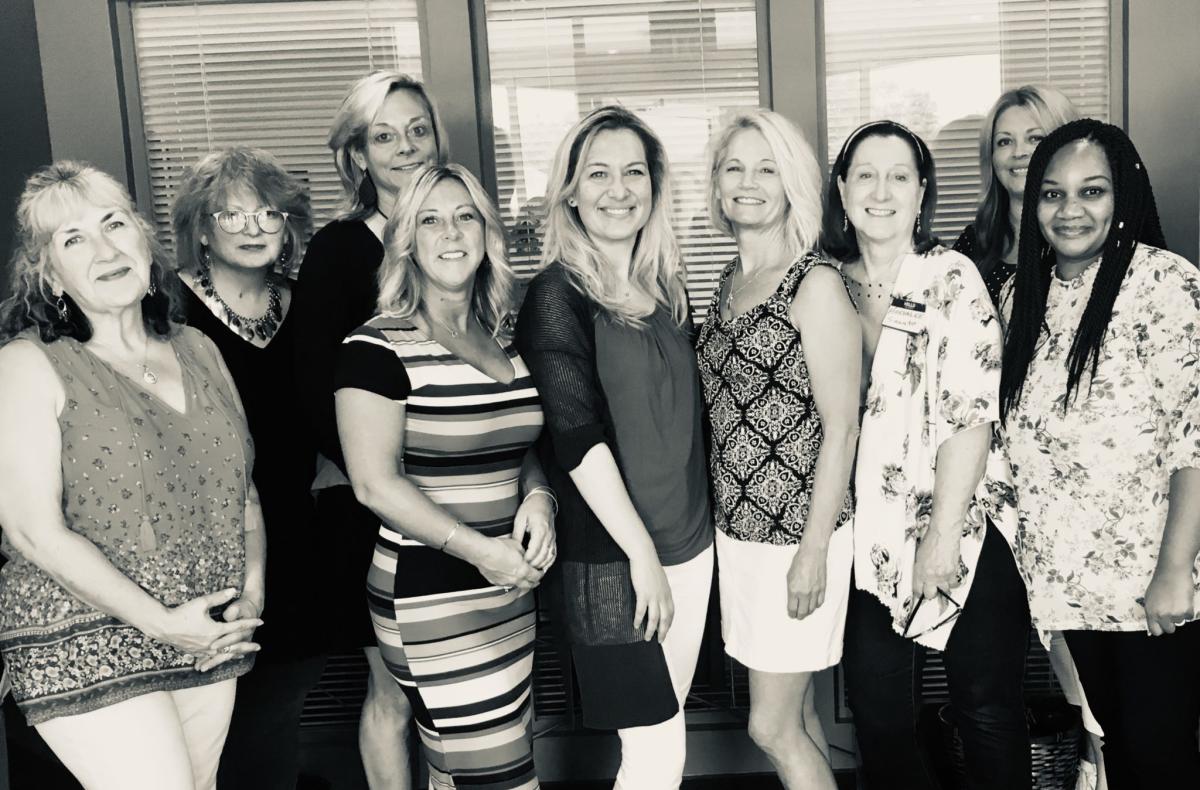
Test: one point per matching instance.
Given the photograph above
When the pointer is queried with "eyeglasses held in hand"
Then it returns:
(268, 220)
(942, 619)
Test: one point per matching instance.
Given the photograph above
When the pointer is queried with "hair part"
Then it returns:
(657, 265)
(401, 281)
(206, 187)
(348, 134)
(839, 237)
(798, 171)
(52, 196)
(993, 230)
(1135, 220)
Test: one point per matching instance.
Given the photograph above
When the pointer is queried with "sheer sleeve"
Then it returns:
(557, 340)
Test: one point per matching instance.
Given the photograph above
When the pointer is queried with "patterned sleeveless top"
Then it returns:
(764, 426)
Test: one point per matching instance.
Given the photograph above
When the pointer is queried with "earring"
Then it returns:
(285, 257)
(845, 224)
(571, 202)
(918, 224)
(64, 310)
(153, 289)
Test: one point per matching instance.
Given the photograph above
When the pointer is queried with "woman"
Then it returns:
(1010, 132)
(1100, 412)
(779, 357)
(238, 217)
(438, 416)
(386, 128)
(605, 331)
(129, 514)
(933, 519)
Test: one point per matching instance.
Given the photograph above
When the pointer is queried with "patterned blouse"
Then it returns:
(765, 429)
(925, 387)
(1093, 482)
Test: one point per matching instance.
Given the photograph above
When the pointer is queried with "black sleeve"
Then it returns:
(367, 362)
(556, 338)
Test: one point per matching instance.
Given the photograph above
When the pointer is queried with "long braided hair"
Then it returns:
(1134, 220)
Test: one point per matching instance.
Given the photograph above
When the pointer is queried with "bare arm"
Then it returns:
(1170, 596)
(832, 342)
(534, 518)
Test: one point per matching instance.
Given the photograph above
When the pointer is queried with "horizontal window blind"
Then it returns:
(680, 64)
(266, 74)
(938, 65)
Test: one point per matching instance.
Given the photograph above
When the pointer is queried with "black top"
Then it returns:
(283, 469)
(338, 291)
(968, 244)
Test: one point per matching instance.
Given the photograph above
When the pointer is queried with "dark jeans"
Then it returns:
(1145, 692)
(262, 750)
(985, 667)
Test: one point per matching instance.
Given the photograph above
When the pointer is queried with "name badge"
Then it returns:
(905, 315)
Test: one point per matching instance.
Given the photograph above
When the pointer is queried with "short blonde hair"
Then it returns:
(348, 133)
(400, 280)
(798, 170)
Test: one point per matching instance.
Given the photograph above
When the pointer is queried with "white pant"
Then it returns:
(166, 740)
(652, 757)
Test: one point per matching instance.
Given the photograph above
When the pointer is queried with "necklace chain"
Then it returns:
(263, 327)
(746, 283)
(445, 328)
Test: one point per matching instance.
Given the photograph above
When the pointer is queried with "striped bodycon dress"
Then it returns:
(460, 647)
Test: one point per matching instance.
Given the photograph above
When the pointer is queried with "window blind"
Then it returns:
(266, 74)
(938, 65)
(682, 65)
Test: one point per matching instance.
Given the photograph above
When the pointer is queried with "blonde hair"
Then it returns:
(798, 171)
(348, 134)
(400, 279)
(657, 266)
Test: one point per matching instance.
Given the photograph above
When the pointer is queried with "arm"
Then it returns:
(535, 516)
(1170, 596)
(31, 488)
(823, 314)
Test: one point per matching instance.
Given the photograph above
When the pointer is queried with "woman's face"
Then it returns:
(614, 195)
(882, 189)
(100, 259)
(251, 247)
(450, 237)
(748, 182)
(1075, 202)
(400, 140)
(1016, 133)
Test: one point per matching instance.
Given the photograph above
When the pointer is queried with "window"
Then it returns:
(938, 65)
(680, 64)
(266, 74)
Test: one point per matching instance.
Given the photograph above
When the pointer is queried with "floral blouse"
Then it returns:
(926, 386)
(1093, 481)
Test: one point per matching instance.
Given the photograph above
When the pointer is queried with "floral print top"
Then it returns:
(926, 386)
(1093, 480)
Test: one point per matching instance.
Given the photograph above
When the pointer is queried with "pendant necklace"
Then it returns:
(447, 329)
(148, 375)
(733, 292)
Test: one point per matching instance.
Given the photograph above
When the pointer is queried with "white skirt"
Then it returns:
(755, 624)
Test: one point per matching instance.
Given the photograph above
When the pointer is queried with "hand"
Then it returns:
(806, 578)
(535, 520)
(189, 627)
(236, 644)
(504, 565)
(1168, 601)
(936, 568)
(653, 596)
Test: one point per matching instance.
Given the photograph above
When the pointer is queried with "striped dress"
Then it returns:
(460, 647)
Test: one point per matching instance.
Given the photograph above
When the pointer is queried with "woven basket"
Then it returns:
(1055, 740)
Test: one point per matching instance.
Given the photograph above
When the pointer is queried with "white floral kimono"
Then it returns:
(1094, 481)
(926, 386)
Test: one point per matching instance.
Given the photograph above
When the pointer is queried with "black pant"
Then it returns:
(1145, 692)
(985, 668)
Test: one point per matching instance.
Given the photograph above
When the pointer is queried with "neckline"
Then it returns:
(202, 304)
(727, 279)
(506, 349)
(185, 378)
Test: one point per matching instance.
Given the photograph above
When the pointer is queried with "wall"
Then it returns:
(1164, 111)
(23, 126)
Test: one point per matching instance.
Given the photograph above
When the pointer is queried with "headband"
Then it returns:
(891, 126)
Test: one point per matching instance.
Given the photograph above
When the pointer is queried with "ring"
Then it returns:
(227, 649)
(1181, 622)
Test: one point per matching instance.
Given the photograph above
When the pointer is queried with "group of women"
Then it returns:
(901, 448)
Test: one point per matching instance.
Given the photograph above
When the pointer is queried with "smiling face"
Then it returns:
(99, 258)
(249, 248)
(400, 140)
(1016, 134)
(1076, 201)
(614, 194)
(748, 182)
(449, 237)
(882, 189)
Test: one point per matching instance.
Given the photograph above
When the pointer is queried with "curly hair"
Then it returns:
(52, 196)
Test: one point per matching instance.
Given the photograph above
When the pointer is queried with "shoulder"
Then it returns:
(554, 290)
(25, 368)
(339, 241)
(967, 241)
(818, 275)
(1152, 270)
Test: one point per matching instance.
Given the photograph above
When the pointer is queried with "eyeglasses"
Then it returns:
(268, 220)
(927, 624)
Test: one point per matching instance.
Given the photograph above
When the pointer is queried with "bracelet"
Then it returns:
(548, 491)
(449, 535)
